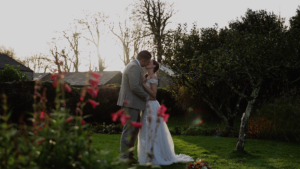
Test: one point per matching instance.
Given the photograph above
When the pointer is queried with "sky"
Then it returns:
(27, 25)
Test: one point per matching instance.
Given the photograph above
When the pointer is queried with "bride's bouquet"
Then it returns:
(199, 164)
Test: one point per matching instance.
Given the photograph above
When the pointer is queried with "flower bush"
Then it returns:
(56, 139)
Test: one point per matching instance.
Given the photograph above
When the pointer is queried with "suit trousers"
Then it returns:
(129, 132)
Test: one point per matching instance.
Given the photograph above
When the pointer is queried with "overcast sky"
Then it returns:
(27, 25)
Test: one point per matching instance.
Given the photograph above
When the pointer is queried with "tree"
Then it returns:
(94, 24)
(184, 52)
(10, 52)
(246, 58)
(9, 73)
(61, 57)
(155, 14)
(39, 62)
(295, 20)
(258, 22)
(73, 36)
(256, 56)
(133, 37)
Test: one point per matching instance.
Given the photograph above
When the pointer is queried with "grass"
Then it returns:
(219, 152)
(185, 120)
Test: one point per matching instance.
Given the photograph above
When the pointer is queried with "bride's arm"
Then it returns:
(152, 91)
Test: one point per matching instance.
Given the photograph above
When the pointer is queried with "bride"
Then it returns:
(155, 143)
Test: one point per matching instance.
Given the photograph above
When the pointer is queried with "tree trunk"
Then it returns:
(159, 50)
(244, 121)
(100, 63)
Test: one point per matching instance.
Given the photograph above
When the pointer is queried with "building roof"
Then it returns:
(38, 76)
(79, 78)
(4, 59)
(166, 69)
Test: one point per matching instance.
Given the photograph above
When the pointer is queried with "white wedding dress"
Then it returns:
(163, 145)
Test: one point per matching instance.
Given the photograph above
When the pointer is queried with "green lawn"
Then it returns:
(219, 152)
(185, 120)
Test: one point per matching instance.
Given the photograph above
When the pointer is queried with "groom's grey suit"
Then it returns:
(132, 90)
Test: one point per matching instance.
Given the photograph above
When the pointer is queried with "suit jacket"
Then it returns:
(132, 88)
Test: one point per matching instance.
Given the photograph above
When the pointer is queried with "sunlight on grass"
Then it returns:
(219, 151)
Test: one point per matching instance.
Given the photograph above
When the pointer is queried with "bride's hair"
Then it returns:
(155, 69)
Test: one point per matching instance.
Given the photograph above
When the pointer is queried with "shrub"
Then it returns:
(278, 118)
(9, 73)
(56, 139)
(194, 131)
(184, 99)
(20, 101)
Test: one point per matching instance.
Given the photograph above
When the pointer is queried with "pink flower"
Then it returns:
(83, 91)
(54, 84)
(40, 141)
(137, 125)
(166, 116)
(93, 103)
(94, 82)
(69, 119)
(93, 92)
(67, 88)
(78, 110)
(124, 118)
(161, 110)
(42, 115)
(54, 76)
(96, 75)
(82, 122)
(116, 115)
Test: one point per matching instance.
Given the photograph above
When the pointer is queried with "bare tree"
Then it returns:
(133, 36)
(9, 52)
(60, 57)
(73, 36)
(155, 14)
(39, 63)
(95, 24)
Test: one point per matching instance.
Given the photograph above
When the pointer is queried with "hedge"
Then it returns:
(20, 101)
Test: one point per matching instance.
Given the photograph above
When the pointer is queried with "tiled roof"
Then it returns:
(38, 76)
(79, 78)
(4, 59)
(166, 69)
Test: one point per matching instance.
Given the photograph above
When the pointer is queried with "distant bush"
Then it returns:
(9, 73)
(184, 100)
(278, 118)
(20, 101)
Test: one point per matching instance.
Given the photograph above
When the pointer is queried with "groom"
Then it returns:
(132, 90)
